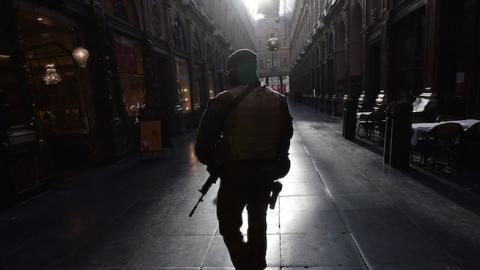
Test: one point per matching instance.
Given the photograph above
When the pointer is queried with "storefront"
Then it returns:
(407, 46)
(184, 102)
(59, 85)
(128, 55)
(197, 88)
(183, 106)
(45, 103)
(459, 60)
(210, 85)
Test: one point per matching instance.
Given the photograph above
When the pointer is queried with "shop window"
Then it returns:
(157, 19)
(179, 34)
(128, 54)
(184, 103)
(60, 99)
(211, 85)
(197, 86)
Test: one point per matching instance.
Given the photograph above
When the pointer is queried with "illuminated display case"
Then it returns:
(184, 103)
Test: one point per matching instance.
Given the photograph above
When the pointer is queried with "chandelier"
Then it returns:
(51, 76)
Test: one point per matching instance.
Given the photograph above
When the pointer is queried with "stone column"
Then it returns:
(397, 152)
(431, 46)
(109, 130)
(152, 86)
(173, 119)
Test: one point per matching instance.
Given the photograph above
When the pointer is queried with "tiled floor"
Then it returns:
(340, 209)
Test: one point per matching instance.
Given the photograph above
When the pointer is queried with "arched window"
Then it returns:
(119, 9)
(125, 10)
(157, 19)
(197, 49)
(178, 34)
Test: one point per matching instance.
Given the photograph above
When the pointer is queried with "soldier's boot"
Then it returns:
(237, 248)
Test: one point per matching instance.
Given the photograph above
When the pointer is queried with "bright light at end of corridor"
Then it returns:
(252, 6)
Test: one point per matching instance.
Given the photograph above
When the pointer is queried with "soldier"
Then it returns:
(245, 141)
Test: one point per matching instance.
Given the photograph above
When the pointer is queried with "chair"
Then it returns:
(370, 120)
(361, 107)
(440, 139)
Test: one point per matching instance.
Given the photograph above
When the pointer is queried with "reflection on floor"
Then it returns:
(340, 209)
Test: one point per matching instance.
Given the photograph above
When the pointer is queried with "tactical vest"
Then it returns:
(252, 130)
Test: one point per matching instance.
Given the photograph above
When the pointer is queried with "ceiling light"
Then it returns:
(51, 77)
(81, 55)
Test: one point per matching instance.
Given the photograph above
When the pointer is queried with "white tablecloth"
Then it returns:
(421, 128)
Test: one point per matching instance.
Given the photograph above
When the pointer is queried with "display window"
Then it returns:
(184, 102)
(58, 84)
(197, 87)
(211, 85)
(128, 54)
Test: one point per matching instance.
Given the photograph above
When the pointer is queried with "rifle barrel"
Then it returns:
(212, 179)
(195, 207)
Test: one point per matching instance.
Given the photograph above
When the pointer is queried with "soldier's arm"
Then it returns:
(209, 132)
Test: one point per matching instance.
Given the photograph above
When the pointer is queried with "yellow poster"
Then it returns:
(150, 136)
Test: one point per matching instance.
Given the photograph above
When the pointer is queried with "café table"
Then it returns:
(419, 129)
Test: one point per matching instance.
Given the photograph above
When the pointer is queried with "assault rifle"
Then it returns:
(212, 179)
(276, 187)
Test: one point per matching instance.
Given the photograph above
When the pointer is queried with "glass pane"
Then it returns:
(58, 108)
(183, 86)
(130, 69)
(197, 87)
(60, 100)
(211, 85)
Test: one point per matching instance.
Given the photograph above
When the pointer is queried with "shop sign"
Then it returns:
(151, 136)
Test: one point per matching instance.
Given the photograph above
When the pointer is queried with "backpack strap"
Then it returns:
(238, 100)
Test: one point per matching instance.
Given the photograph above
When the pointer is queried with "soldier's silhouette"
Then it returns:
(248, 149)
